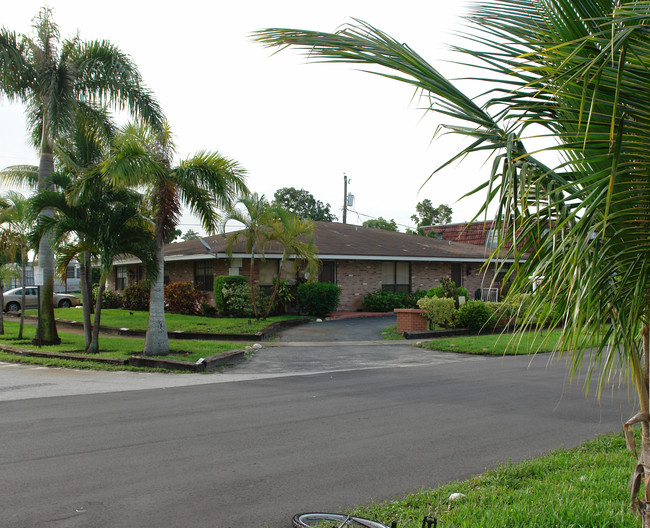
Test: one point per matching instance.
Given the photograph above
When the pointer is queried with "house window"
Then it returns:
(328, 273)
(203, 275)
(121, 277)
(396, 276)
(492, 238)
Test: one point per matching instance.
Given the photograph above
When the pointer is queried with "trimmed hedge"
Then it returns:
(222, 281)
(318, 298)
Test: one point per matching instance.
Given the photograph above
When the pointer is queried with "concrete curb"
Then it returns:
(208, 364)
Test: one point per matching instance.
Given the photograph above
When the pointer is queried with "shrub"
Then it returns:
(473, 315)
(286, 296)
(183, 298)
(318, 298)
(447, 289)
(136, 296)
(219, 283)
(381, 301)
(110, 299)
(440, 311)
(237, 300)
(386, 301)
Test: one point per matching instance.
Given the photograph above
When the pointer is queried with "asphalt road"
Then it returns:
(256, 450)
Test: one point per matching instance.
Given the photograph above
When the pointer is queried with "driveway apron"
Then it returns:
(339, 345)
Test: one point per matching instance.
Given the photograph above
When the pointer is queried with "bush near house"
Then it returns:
(447, 289)
(475, 315)
(218, 285)
(183, 298)
(110, 299)
(439, 310)
(318, 298)
(136, 296)
(386, 301)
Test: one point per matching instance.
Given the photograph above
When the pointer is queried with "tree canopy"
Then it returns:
(381, 223)
(427, 214)
(303, 204)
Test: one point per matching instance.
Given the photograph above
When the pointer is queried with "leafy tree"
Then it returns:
(381, 223)
(573, 73)
(56, 80)
(190, 234)
(296, 236)
(427, 214)
(303, 203)
(143, 157)
(254, 213)
(15, 224)
(105, 221)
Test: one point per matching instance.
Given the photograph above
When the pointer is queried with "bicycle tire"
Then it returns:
(325, 520)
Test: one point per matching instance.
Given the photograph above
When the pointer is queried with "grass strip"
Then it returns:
(583, 487)
(137, 320)
(113, 347)
(497, 344)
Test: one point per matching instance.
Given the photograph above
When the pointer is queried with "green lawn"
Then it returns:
(497, 344)
(110, 347)
(585, 487)
(189, 323)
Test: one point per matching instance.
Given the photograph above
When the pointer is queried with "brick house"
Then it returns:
(358, 259)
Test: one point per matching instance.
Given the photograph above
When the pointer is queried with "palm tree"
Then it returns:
(296, 236)
(255, 213)
(56, 80)
(105, 221)
(574, 75)
(16, 223)
(204, 182)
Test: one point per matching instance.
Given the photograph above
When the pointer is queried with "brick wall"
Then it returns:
(356, 278)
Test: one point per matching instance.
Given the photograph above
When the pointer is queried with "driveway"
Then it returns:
(339, 345)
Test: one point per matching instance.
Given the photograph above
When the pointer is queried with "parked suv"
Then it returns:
(13, 298)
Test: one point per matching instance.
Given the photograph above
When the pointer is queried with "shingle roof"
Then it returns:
(334, 240)
(475, 233)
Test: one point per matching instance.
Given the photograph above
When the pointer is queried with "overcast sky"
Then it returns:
(289, 123)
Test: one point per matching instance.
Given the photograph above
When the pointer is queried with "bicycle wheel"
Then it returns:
(332, 520)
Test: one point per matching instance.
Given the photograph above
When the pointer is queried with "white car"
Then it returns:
(13, 299)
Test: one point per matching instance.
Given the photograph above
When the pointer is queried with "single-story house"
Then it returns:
(358, 259)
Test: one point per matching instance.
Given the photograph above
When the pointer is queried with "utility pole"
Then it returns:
(345, 198)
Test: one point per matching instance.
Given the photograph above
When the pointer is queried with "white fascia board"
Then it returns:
(376, 258)
(174, 258)
(277, 256)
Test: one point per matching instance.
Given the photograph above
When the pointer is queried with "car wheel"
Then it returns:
(65, 303)
(13, 307)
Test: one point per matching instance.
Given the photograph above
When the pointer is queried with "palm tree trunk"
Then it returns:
(94, 343)
(86, 296)
(23, 265)
(46, 323)
(275, 291)
(2, 304)
(156, 341)
(251, 283)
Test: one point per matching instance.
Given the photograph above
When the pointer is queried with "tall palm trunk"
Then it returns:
(251, 282)
(46, 323)
(94, 343)
(275, 290)
(86, 296)
(2, 304)
(156, 341)
(23, 265)
(641, 477)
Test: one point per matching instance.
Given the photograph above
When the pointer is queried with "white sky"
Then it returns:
(289, 123)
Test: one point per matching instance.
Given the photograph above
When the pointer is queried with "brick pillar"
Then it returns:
(411, 320)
